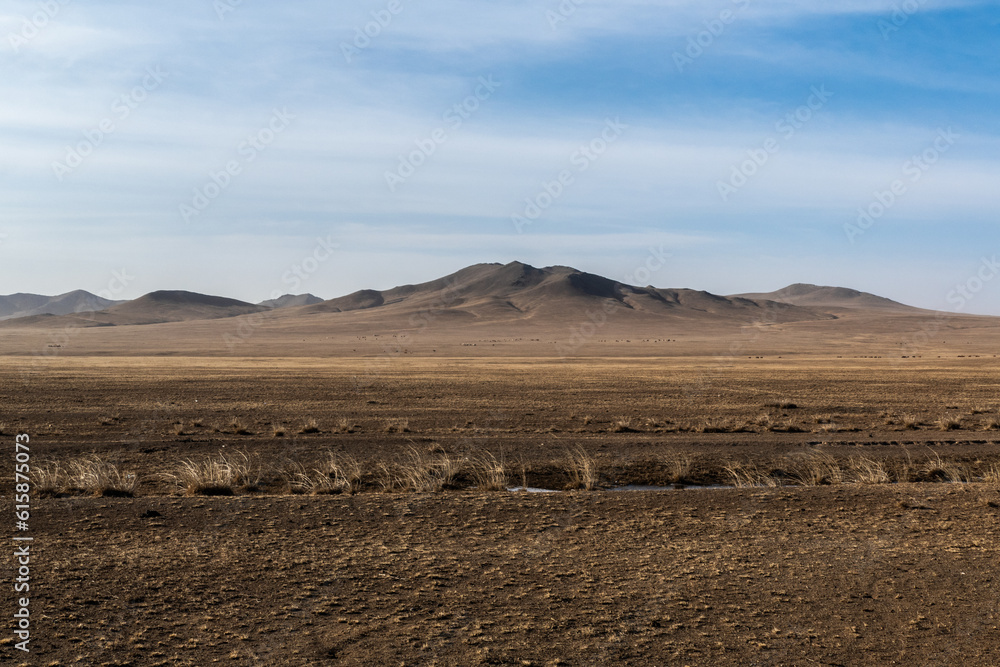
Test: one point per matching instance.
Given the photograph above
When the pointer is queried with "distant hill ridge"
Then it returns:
(180, 297)
(803, 294)
(481, 293)
(521, 289)
(175, 306)
(291, 300)
(26, 305)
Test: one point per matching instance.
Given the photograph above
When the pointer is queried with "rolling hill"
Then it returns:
(178, 306)
(26, 305)
(519, 292)
(153, 308)
(291, 300)
(818, 296)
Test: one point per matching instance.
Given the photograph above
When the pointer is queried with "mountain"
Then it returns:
(177, 306)
(153, 308)
(508, 310)
(511, 292)
(291, 300)
(818, 296)
(490, 297)
(26, 305)
(21, 305)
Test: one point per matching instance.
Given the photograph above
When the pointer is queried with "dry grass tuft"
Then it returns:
(788, 427)
(216, 476)
(744, 475)
(817, 469)
(49, 478)
(716, 426)
(937, 469)
(278, 431)
(338, 473)
(310, 426)
(623, 425)
(768, 423)
(237, 427)
(655, 422)
(91, 474)
(901, 470)
(420, 473)
(344, 425)
(489, 472)
(911, 422)
(992, 423)
(866, 470)
(948, 424)
(679, 467)
(523, 470)
(584, 473)
(783, 404)
(992, 474)
(397, 426)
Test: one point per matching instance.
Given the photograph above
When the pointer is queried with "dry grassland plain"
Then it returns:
(316, 510)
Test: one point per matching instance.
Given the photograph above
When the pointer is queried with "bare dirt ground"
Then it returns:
(902, 575)
(826, 571)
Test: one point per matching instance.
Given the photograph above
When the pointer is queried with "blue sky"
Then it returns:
(225, 147)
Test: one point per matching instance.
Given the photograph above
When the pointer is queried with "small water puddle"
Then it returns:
(531, 489)
(642, 487)
(692, 487)
(627, 487)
